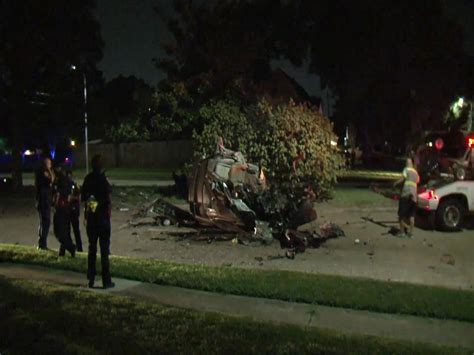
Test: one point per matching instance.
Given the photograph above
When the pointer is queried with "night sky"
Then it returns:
(132, 33)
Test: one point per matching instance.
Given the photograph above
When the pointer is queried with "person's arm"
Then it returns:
(401, 180)
(85, 190)
(109, 197)
(75, 193)
(49, 174)
(55, 195)
(85, 197)
(109, 210)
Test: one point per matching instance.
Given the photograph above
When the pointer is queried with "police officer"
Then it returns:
(96, 194)
(62, 218)
(44, 179)
(74, 209)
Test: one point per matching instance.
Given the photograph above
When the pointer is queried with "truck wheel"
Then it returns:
(450, 215)
(459, 172)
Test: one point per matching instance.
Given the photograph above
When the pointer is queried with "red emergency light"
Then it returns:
(470, 142)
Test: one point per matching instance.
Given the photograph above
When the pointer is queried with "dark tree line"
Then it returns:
(39, 41)
(394, 65)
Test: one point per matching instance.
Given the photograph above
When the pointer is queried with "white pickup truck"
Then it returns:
(449, 202)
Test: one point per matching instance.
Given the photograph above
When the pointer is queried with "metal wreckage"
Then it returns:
(230, 199)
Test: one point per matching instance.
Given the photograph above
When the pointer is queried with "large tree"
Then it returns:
(393, 65)
(39, 41)
(222, 46)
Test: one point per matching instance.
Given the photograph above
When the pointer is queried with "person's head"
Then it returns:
(409, 163)
(47, 163)
(97, 163)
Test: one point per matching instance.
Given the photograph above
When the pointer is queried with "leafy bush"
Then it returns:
(126, 132)
(173, 113)
(292, 141)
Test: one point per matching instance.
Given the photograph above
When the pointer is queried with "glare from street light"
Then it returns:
(73, 67)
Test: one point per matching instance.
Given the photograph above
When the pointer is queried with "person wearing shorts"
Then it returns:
(408, 199)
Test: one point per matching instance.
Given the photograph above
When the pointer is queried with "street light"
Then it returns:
(461, 103)
(86, 135)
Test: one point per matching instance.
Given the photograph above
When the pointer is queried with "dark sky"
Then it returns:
(133, 32)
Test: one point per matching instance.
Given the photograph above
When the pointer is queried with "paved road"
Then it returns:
(426, 330)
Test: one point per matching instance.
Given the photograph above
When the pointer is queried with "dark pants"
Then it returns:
(98, 231)
(406, 208)
(62, 230)
(44, 212)
(74, 213)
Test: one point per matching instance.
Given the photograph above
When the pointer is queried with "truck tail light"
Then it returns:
(431, 195)
(470, 142)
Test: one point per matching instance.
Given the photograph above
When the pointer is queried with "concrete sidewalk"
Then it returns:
(425, 330)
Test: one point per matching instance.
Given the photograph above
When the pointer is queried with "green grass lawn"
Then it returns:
(47, 319)
(369, 175)
(165, 174)
(339, 291)
(353, 197)
(123, 174)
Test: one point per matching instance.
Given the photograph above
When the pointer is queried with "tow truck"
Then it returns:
(449, 200)
(448, 203)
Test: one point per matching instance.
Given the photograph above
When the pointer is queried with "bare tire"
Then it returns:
(459, 172)
(450, 214)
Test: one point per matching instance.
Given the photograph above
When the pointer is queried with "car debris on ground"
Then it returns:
(224, 193)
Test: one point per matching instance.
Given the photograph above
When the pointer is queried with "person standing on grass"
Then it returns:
(62, 218)
(75, 209)
(408, 199)
(96, 194)
(44, 179)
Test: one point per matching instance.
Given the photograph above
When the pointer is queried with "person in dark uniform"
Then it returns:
(75, 209)
(44, 179)
(62, 218)
(96, 194)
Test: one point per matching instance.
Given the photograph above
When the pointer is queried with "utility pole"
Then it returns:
(86, 135)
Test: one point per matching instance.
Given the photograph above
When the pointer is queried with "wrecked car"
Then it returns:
(219, 188)
(231, 199)
(228, 193)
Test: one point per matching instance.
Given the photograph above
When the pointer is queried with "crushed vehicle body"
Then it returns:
(228, 193)
(218, 191)
(230, 198)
